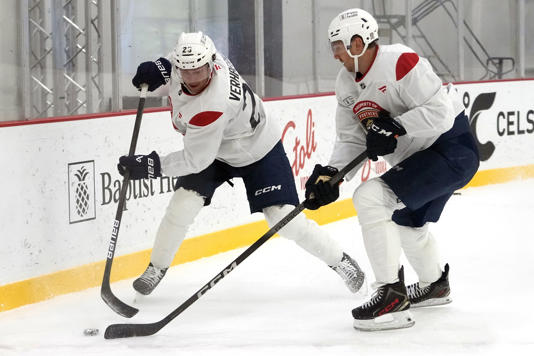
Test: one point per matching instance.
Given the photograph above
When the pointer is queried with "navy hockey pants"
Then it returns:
(425, 181)
(268, 181)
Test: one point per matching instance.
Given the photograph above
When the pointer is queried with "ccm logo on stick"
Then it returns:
(216, 279)
(267, 189)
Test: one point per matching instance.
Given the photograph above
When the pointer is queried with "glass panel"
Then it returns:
(57, 54)
(492, 35)
(10, 97)
(529, 39)
(150, 29)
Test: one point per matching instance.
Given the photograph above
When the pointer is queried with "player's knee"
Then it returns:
(293, 229)
(368, 195)
(184, 207)
(374, 201)
(275, 213)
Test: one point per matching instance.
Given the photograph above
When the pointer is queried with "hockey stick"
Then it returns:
(105, 291)
(116, 331)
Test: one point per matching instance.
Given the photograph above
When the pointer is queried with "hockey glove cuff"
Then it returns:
(140, 166)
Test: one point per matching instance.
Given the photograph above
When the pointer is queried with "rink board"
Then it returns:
(60, 187)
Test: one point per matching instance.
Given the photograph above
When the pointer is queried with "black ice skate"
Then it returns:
(437, 293)
(149, 279)
(387, 309)
(351, 273)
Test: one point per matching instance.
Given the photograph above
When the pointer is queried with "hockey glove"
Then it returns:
(319, 192)
(382, 134)
(140, 166)
(154, 74)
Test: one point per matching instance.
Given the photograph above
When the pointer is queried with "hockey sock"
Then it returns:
(180, 214)
(421, 250)
(375, 203)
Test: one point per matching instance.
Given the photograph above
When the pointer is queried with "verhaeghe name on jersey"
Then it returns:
(235, 83)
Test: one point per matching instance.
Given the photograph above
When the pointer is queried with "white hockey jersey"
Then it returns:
(226, 121)
(402, 83)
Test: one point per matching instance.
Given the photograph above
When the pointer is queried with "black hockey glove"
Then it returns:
(319, 192)
(154, 74)
(382, 134)
(140, 166)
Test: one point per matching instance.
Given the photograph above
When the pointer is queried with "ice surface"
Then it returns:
(281, 301)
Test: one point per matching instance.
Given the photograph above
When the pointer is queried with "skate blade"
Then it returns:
(390, 321)
(432, 302)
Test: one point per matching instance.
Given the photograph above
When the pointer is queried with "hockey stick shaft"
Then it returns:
(115, 331)
(106, 293)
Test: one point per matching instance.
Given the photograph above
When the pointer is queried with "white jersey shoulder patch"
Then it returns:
(346, 88)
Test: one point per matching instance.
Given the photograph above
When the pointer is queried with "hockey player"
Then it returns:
(392, 104)
(226, 133)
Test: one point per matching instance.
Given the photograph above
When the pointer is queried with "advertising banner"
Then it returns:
(60, 184)
(502, 119)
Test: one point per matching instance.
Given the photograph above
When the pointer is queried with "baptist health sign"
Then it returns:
(82, 202)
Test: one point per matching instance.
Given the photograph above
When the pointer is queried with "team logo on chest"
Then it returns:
(367, 109)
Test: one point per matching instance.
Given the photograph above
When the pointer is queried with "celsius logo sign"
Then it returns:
(81, 191)
(481, 103)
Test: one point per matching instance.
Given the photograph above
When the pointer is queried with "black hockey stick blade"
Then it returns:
(119, 331)
(106, 293)
(117, 305)
(116, 331)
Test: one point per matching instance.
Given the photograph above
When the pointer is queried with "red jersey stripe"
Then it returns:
(205, 118)
(405, 63)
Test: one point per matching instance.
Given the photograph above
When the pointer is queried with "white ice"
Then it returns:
(281, 301)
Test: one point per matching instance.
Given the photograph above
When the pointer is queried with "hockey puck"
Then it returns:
(90, 332)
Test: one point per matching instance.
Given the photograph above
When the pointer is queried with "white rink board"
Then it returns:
(504, 115)
(52, 221)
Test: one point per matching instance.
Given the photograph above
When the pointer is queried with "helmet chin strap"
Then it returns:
(356, 56)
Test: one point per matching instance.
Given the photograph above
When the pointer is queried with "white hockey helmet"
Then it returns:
(350, 23)
(193, 50)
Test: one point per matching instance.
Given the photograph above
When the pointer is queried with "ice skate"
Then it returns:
(351, 273)
(437, 293)
(149, 279)
(387, 309)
